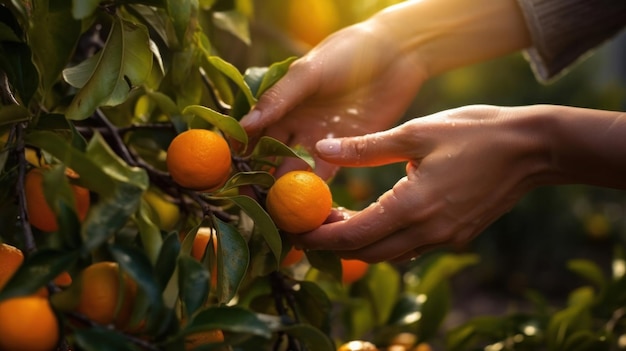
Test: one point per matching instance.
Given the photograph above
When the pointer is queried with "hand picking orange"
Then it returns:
(199, 159)
(299, 201)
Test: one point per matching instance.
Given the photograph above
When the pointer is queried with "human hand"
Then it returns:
(355, 82)
(466, 167)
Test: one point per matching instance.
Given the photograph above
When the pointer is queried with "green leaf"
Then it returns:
(262, 222)
(148, 231)
(589, 270)
(232, 260)
(37, 270)
(193, 282)
(235, 23)
(11, 114)
(275, 72)
(314, 306)
(107, 77)
(100, 339)
(133, 261)
(270, 147)
(225, 123)
(262, 179)
(231, 72)
(232, 319)
(444, 267)
(7, 34)
(117, 203)
(52, 31)
(92, 175)
(60, 198)
(575, 317)
(383, 284)
(325, 261)
(407, 309)
(16, 62)
(180, 13)
(310, 337)
(82, 9)
(166, 263)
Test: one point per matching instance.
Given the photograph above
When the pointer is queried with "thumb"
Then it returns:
(295, 86)
(366, 151)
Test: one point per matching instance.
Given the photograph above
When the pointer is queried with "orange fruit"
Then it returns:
(292, 257)
(353, 270)
(199, 159)
(200, 243)
(10, 260)
(28, 323)
(310, 21)
(102, 285)
(299, 201)
(40, 215)
(358, 345)
(202, 338)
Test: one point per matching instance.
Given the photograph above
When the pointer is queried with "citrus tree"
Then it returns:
(137, 215)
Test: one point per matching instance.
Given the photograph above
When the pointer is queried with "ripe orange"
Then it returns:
(10, 260)
(40, 215)
(28, 323)
(299, 201)
(292, 257)
(310, 21)
(353, 270)
(101, 287)
(199, 159)
(200, 244)
(202, 338)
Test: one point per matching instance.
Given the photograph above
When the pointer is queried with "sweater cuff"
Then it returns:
(566, 32)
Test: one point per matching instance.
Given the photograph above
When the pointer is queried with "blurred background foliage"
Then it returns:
(528, 248)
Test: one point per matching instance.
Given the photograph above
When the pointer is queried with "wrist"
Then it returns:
(447, 34)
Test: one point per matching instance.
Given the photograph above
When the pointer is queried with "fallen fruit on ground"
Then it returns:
(28, 324)
(102, 284)
(299, 201)
(40, 215)
(199, 159)
(353, 270)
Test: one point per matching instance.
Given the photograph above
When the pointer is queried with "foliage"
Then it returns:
(102, 87)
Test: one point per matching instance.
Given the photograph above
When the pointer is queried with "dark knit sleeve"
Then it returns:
(564, 31)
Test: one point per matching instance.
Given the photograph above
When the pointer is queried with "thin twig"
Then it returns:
(29, 240)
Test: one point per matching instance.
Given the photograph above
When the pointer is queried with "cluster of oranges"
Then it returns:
(197, 159)
(298, 202)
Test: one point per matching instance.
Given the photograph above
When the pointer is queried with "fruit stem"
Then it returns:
(283, 292)
(29, 240)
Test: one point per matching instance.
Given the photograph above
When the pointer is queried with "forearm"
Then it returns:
(583, 146)
(447, 34)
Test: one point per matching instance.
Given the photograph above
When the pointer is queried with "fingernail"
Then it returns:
(329, 146)
(251, 118)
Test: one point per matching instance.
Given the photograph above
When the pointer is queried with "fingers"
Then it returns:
(393, 145)
(281, 98)
(387, 215)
